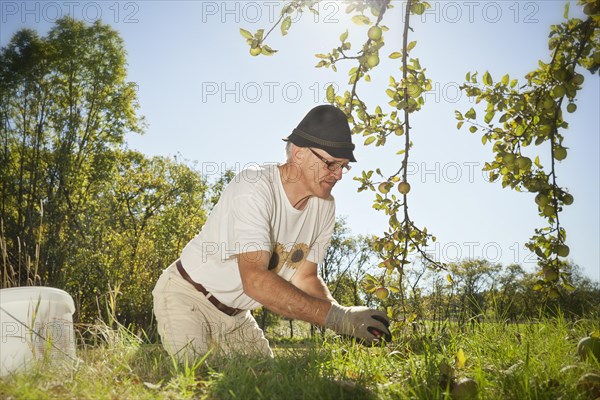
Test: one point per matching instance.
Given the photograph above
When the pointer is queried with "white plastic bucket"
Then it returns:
(36, 323)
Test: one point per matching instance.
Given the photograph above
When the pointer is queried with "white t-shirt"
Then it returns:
(254, 213)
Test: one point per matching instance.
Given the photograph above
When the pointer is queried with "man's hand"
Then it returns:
(365, 324)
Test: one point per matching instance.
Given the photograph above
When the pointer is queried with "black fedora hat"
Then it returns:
(325, 127)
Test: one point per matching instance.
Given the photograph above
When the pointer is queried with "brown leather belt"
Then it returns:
(220, 306)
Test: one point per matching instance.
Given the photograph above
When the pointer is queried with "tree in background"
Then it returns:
(65, 109)
(78, 210)
(346, 262)
(471, 280)
(509, 292)
(143, 218)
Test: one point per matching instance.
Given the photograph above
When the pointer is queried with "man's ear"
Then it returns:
(298, 153)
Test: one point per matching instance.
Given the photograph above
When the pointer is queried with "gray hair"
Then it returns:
(288, 151)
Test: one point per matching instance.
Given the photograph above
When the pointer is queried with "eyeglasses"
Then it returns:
(332, 166)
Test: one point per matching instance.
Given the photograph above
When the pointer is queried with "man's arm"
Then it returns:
(280, 296)
(285, 299)
(308, 280)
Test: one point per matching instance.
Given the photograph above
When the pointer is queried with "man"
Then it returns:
(261, 245)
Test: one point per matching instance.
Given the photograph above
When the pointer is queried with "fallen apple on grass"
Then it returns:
(588, 347)
(465, 389)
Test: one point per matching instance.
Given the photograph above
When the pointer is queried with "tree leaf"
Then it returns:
(566, 285)
(267, 51)
(369, 140)
(411, 45)
(460, 358)
(330, 94)
(487, 79)
(285, 25)
(395, 55)
(246, 34)
(361, 20)
(344, 36)
(471, 114)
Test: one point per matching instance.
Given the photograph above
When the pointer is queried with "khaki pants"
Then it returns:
(189, 325)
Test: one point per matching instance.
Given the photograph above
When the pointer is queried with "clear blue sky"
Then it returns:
(206, 99)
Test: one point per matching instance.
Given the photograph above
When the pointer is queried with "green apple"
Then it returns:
(589, 9)
(548, 210)
(524, 162)
(550, 274)
(254, 51)
(384, 187)
(375, 33)
(381, 293)
(548, 103)
(572, 107)
(589, 346)
(560, 153)
(562, 250)
(568, 199)
(559, 91)
(404, 187)
(509, 159)
(545, 129)
(373, 60)
(417, 8)
(465, 389)
(578, 79)
(541, 199)
(561, 75)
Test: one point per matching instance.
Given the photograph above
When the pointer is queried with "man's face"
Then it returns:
(321, 171)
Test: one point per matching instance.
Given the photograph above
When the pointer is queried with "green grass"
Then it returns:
(524, 361)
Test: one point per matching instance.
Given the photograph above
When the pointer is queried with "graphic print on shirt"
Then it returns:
(277, 258)
(293, 258)
(297, 255)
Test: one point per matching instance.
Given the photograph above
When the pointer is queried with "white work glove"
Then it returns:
(366, 325)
